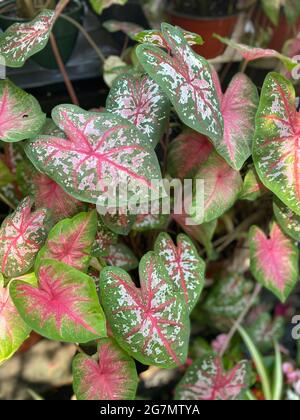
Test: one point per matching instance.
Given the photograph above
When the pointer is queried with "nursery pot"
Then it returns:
(206, 27)
(65, 33)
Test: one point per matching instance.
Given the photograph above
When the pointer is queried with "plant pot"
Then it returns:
(65, 34)
(206, 27)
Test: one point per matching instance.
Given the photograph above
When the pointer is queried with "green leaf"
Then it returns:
(6, 177)
(252, 187)
(287, 220)
(120, 223)
(272, 10)
(264, 330)
(99, 5)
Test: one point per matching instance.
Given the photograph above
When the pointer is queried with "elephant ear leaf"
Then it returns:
(206, 380)
(101, 150)
(287, 220)
(63, 307)
(184, 266)
(187, 80)
(21, 116)
(109, 375)
(140, 100)
(277, 141)
(70, 241)
(22, 234)
(151, 322)
(274, 260)
(119, 255)
(22, 40)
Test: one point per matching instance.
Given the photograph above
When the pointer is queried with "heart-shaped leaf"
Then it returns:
(63, 307)
(206, 380)
(21, 116)
(119, 223)
(274, 260)
(128, 28)
(121, 256)
(102, 150)
(222, 186)
(140, 100)
(22, 234)
(185, 267)
(22, 40)
(13, 330)
(150, 323)
(238, 106)
(265, 330)
(287, 220)
(277, 141)
(186, 154)
(155, 37)
(109, 375)
(70, 241)
(252, 187)
(48, 194)
(186, 78)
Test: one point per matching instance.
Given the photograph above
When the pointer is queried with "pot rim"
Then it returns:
(170, 10)
(79, 6)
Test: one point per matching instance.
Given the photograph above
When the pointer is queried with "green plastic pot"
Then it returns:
(65, 34)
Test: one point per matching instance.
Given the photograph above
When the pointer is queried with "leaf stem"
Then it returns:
(7, 201)
(278, 375)
(61, 5)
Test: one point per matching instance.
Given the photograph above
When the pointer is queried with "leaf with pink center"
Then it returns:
(186, 154)
(276, 149)
(70, 241)
(109, 375)
(206, 380)
(128, 28)
(13, 330)
(156, 37)
(151, 323)
(140, 100)
(121, 256)
(119, 223)
(184, 266)
(287, 220)
(238, 106)
(22, 40)
(101, 151)
(222, 186)
(274, 260)
(22, 234)
(252, 187)
(187, 80)
(63, 307)
(21, 116)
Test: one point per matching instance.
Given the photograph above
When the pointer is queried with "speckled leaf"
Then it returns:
(99, 5)
(22, 40)
(287, 220)
(140, 100)
(108, 375)
(238, 106)
(252, 187)
(104, 239)
(121, 256)
(222, 186)
(150, 323)
(146, 222)
(128, 28)
(21, 116)
(13, 330)
(276, 147)
(155, 37)
(22, 234)
(265, 330)
(186, 154)
(274, 260)
(70, 241)
(63, 307)
(206, 380)
(186, 78)
(120, 223)
(185, 268)
(101, 150)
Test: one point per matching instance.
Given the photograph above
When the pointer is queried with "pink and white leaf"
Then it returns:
(156, 37)
(121, 256)
(105, 238)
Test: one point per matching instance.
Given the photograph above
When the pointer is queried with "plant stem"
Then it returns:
(86, 35)
(61, 5)
(278, 375)
(7, 201)
(250, 396)
(64, 73)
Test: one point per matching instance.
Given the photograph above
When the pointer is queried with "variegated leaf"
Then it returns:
(121, 256)
(21, 116)
(99, 5)
(265, 330)
(155, 37)
(22, 40)
(222, 186)
(120, 223)
(206, 380)
(70, 241)
(186, 154)
(238, 106)
(150, 323)
(274, 260)
(128, 28)
(140, 100)
(276, 147)
(185, 268)
(186, 78)
(22, 234)
(252, 187)
(287, 220)
(63, 307)
(108, 375)
(146, 222)
(105, 238)
(102, 150)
